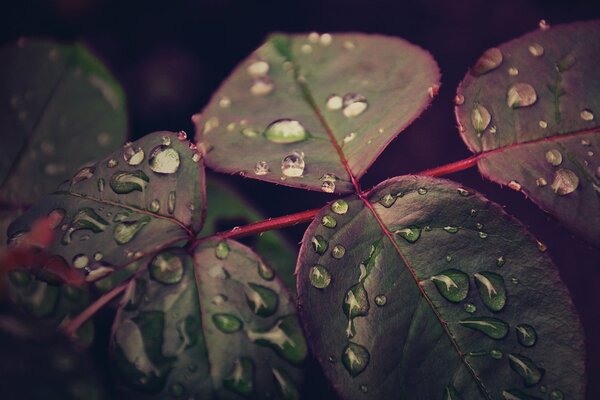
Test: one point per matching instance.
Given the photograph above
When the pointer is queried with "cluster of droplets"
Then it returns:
(351, 105)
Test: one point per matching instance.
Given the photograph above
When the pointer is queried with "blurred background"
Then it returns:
(171, 55)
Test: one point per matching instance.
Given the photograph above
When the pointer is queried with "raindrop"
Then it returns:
(285, 338)
(334, 102)
(354, 104)
(99, 273)
(459, 99)
(389, 199)
(526, 335)
(479, 225)
(83, 174)
(182, 135)
(227, 323)
(491, 289)
(319, 244)
(586, 115)
(332, 359)
(536, 50)
(285, 385)
(339, 207)
(222, 250)
(480, 118)
(355, 358)
(514, 185)
(262, 86)
(101, 184)
(565, 182)
(167, 268)
(470, 308)
(154, 206)
(171, 202)
(218, 272)
(328, 221)
(219, 299)
(492, 327)
(164, 160)
(364, 388)
(133, 156)
(410, 234)
(521, 95)
(451, 229)
(526, 368)
(210, 124)
(380, 300)
(464, 192)
(490, 60)
(338, 251)
(514, 280)
(126, 182)
(313, 37)
(125, 231)
(249, 132)
(349, 45)
(261, 300)
(554, 157)
(98, 256)
(293, 164)
(452, 284)
(319, 277)
(306, 48)
(349, 137)
(482, 235)
(261, 168)
(585, 142)
(85, 219)
(286, 130)
(326, 39)
(241, 378)
(80, 261)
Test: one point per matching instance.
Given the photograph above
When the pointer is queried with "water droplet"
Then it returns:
(586, 115)
(543, 124)
(452, 284)
(182, 135)
(293, 164)
(261, 168)
(516, 394)
(492, 327)
(482, 235)
(480, 118)
(354, 104)
(585, 142)
(285, 338)
(380, 300)
(224, 102)
(451, 229)
(100, 272)
(101, 184)
(491, 289)
(154, 206)
(125, 231)
(338, 251)
(167, 268)
(222, 250)
(306, 48)
(536, 50)
(133, 156)
(262, 86)
(349, 45)
(227, 323)
(126, 182)
(332, 359)
(410, 234)
(543, 25)
(80, 261)
(355, 358)
(521, 95)
(470, 308)
(339, 207)
(422, 191)
(313, 37)
(565, 63)
(328, 221)
(249, 132)
(319, 277)
(210, 124)
(261, 300)
(83, 174)
(286, 130)
(514, 185)
(241, 378)
(111, 163)
(459, 99)
(334, 102)
(496, 354)
(349, 137)
(526, 335)
(565, 182)
(258, 68)
(219, 299)
(325, 39)
(512, 71)
(364, 388)
(500, 261)
(541, 182)
(328, 186)
(85, 219)
(389, 199)
(171, 202)
(489, 60)
(265, 272)
(319, 244)
(554, 157)
(463, 192)
(285, 385)
(164, 160)
(556, 394)
(526, 368)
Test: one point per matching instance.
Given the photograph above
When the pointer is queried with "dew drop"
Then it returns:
(521, 95)
(285, 338)
(556, 394)
(292, 165)
(98, 256)
(285, 385)
(328, 221)
(222, 250)
(526, 368)
(313, 37)
(526, 335)
(285, 131)
(85, 219)
(80, 261)
(319, 277)
(536, 50)
(261, 168)
(325, 39)
(319, 244)
(364, 388)
(164, 160)
(219, 299)
(224, 102)
(227, 323)
(306, 48)
(354, 104)
(111, 163)
(490, 60)
(464, 192)
(166, 268)
(338, 251)
(328, 186)
(541, 182)
(500, 261)
(452, 284)
(565, 182)
(334, 102)
(586, 115)
(554, 157)
(411, 234)
(265, 272)
(241, 378)
(339, 207)
(249, 132)
(133, 156)
(355, 358)
(380, 300)
(349, 45)
(182, 135)
(262, 86)
(480, 118)
(544, 25)
(210, 124)
(482, 235)
(585, 142)
(125, 231)
(451, 229)
(422, 191)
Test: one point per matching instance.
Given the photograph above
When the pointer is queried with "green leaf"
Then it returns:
(531, 115)
(226, 205)
(217, 330)
(297, 108)
(139, 199)
(61, 107)
(436, 313)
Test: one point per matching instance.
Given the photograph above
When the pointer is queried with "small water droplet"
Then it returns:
(480, 118)
(470, 308)
(224, 102)
(227, 323)
(85, 219)
(249, 132)
(349, 137)
(285, 385)
(521, 95)
(355, 358)
(292, 165)
(492, 327)
(306, 48)
(332, 359)
(565, 63)
(512, 71)
(586, 115)
(313, 37)
(536, 50)
(262, 86)
(328, 221)
(543, 124)
(319, 277)
(98, 256)
(554, 157)
(491, 289)
(411, 234)
(500, 261)
(514, 280)
(452, 284)
(459, 99)
(132, 155)
(164, 160)
(556, 394)
(349, 45)
(339, 207)
(171, 202)
(154, 206)
(222, 250)
(261, 168)
(126, 182)
(482, 235)
(258, 68)
(364, 388)
(354, 104)
(338, 251)
(526, 368)
(241, 378)
(463, 192)
(585, 142)
(334, 102)
(319, 244)
(328, 186)
(543, 25)
(265, 272)
(219, 299)
(565, 182)
(167, 268)
(514, 185)
(496, 354)
(526, 335)
(489, 60)
(111, 163)
(285, 338)
(451, 229)
(422, 191)
(326, 39)
(80, 261)
(541, 182)
(433, 91)
(286, 130)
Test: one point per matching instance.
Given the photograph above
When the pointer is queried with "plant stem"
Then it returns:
(452, 167)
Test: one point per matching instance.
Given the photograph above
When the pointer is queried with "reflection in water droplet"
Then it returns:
(338, 251)
(262, 86)
(422, 191)
(410, 234)
(355, 358)
(526, 335)
(554, 157)
(489, 60)
(536, 50)
(227, 323)
(565, 182)
(164, 160)
(526, 368)
(543, 124)
(328, 221)
(286, 130)
(328, 186)
(285, 338)
(133, 156)
(265, 272)
(258, 68)
(480, 118)
(222, 250)
(354, 104)
(167, 268)
(521, 95)
(80, 261)
(491, 289)
(587, 115)
(319, 244)
(261, 300)
(334, 102)
(241, 378)
(319, 277)
(339, 207)
(292, 165)
(492, 327)
(261, 168)
(452, 284)
(380, 300)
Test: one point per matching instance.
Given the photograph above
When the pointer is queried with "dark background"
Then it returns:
(171, 55)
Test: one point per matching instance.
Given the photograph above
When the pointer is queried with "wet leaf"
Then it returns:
(543, 137)
(141, 198)
(277, 117)
(435, 315)
(61, 107)
(218, 331)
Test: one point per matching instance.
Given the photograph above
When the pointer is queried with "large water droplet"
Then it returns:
(565, 182)
(339, 207)
(258, 68)
(554, 157)
(480, 118)
(587, 115)
(536, 50)
(526, 335)
(410, 234)
(80, 261)
(491, 289)
(293, 164)
(526, 368)
(335, 102)
(492, 327)
(261, 168)
(85, 219)
(262, 86)
(133, 155)
(319, 244)
(355, 358)
(164, 160)
(241, 378)
(354, 104)
(338, 251)
(227, 323)
(489, 60)
(125, 231)
(285, 385)
(286, 131)
(285, 338)
(319, 277)
(261, 300)
(167, 268)
(452, 284)
(521, 95)
(127, 182)
(222, 250)
(328, 221)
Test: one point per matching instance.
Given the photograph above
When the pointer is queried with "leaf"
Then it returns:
(139, 199)
(226, 205)
(531, 116)
(392, 319)
(62, 107)
(334, 100)
(210, 327)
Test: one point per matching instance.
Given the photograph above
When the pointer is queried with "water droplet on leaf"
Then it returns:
(164, 160)
(554, 157)
(261, 300)
(338, 251)
(132, 155)
(492, 327)
(285, 131)
(126, 182)
(587, 115)
(526, 335)
(355, 359)
(452, 284)
(319, 244)
(166, 268)
(354, 104)
(261, 168)
(222, 250)
(410, 234)
(319, 277)
(339, 207)
(491, 289)
(227, 323)
(293, 164)
(526, 368)
(335, 102)
(380, 300)
(521, 95)
(536, 50)
(490, 60)
(565, 182)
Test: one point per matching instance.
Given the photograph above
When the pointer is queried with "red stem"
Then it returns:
(452, 167)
